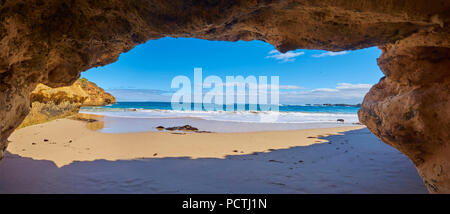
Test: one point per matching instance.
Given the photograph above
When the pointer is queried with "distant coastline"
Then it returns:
(339, 104)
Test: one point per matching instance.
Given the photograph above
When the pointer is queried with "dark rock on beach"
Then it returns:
(180, 128)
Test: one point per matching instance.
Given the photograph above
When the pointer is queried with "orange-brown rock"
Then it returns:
(409, 108)
(96, 96)
(52, 41)
(53, 103)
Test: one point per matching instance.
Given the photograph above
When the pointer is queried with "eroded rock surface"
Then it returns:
(96, 96)
(52, 41)
(409, 108)
(53, 103)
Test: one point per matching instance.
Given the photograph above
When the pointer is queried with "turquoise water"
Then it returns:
(286, 113)
(282, 108)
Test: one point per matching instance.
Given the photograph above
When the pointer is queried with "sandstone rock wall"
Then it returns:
(53, 103)
(96, 96)
(409, 108)
(52, 41)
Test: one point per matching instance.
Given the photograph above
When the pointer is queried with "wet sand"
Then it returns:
(64, 156)
(64, 141)
(127, 125)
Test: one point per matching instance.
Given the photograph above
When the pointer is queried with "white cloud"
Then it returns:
(289, 56)
(353, 86)
(124, 95)
(330, 53)
(346, 93)
(291, 87)
(261, 86)
(287, 87)
(343, 93)
(324, 90)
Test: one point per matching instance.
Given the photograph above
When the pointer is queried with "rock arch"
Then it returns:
(52, 41)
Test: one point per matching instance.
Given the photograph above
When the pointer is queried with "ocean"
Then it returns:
(146, 116)
(286, 113)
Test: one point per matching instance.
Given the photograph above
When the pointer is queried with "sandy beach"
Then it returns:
(64, 141)
(64, 156)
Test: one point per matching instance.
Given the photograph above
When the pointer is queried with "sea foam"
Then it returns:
(228, 116)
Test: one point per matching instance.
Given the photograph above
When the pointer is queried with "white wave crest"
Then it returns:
(230, 116)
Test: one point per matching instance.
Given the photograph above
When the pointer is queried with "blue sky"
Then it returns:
(306, 76)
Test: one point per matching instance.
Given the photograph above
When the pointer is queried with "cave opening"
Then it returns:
(320, 93)
(310, 81)
(51, 42)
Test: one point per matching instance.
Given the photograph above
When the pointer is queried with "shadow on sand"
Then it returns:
(355, 162)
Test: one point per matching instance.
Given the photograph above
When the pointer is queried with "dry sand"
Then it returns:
(64, 156)
(70, 140)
